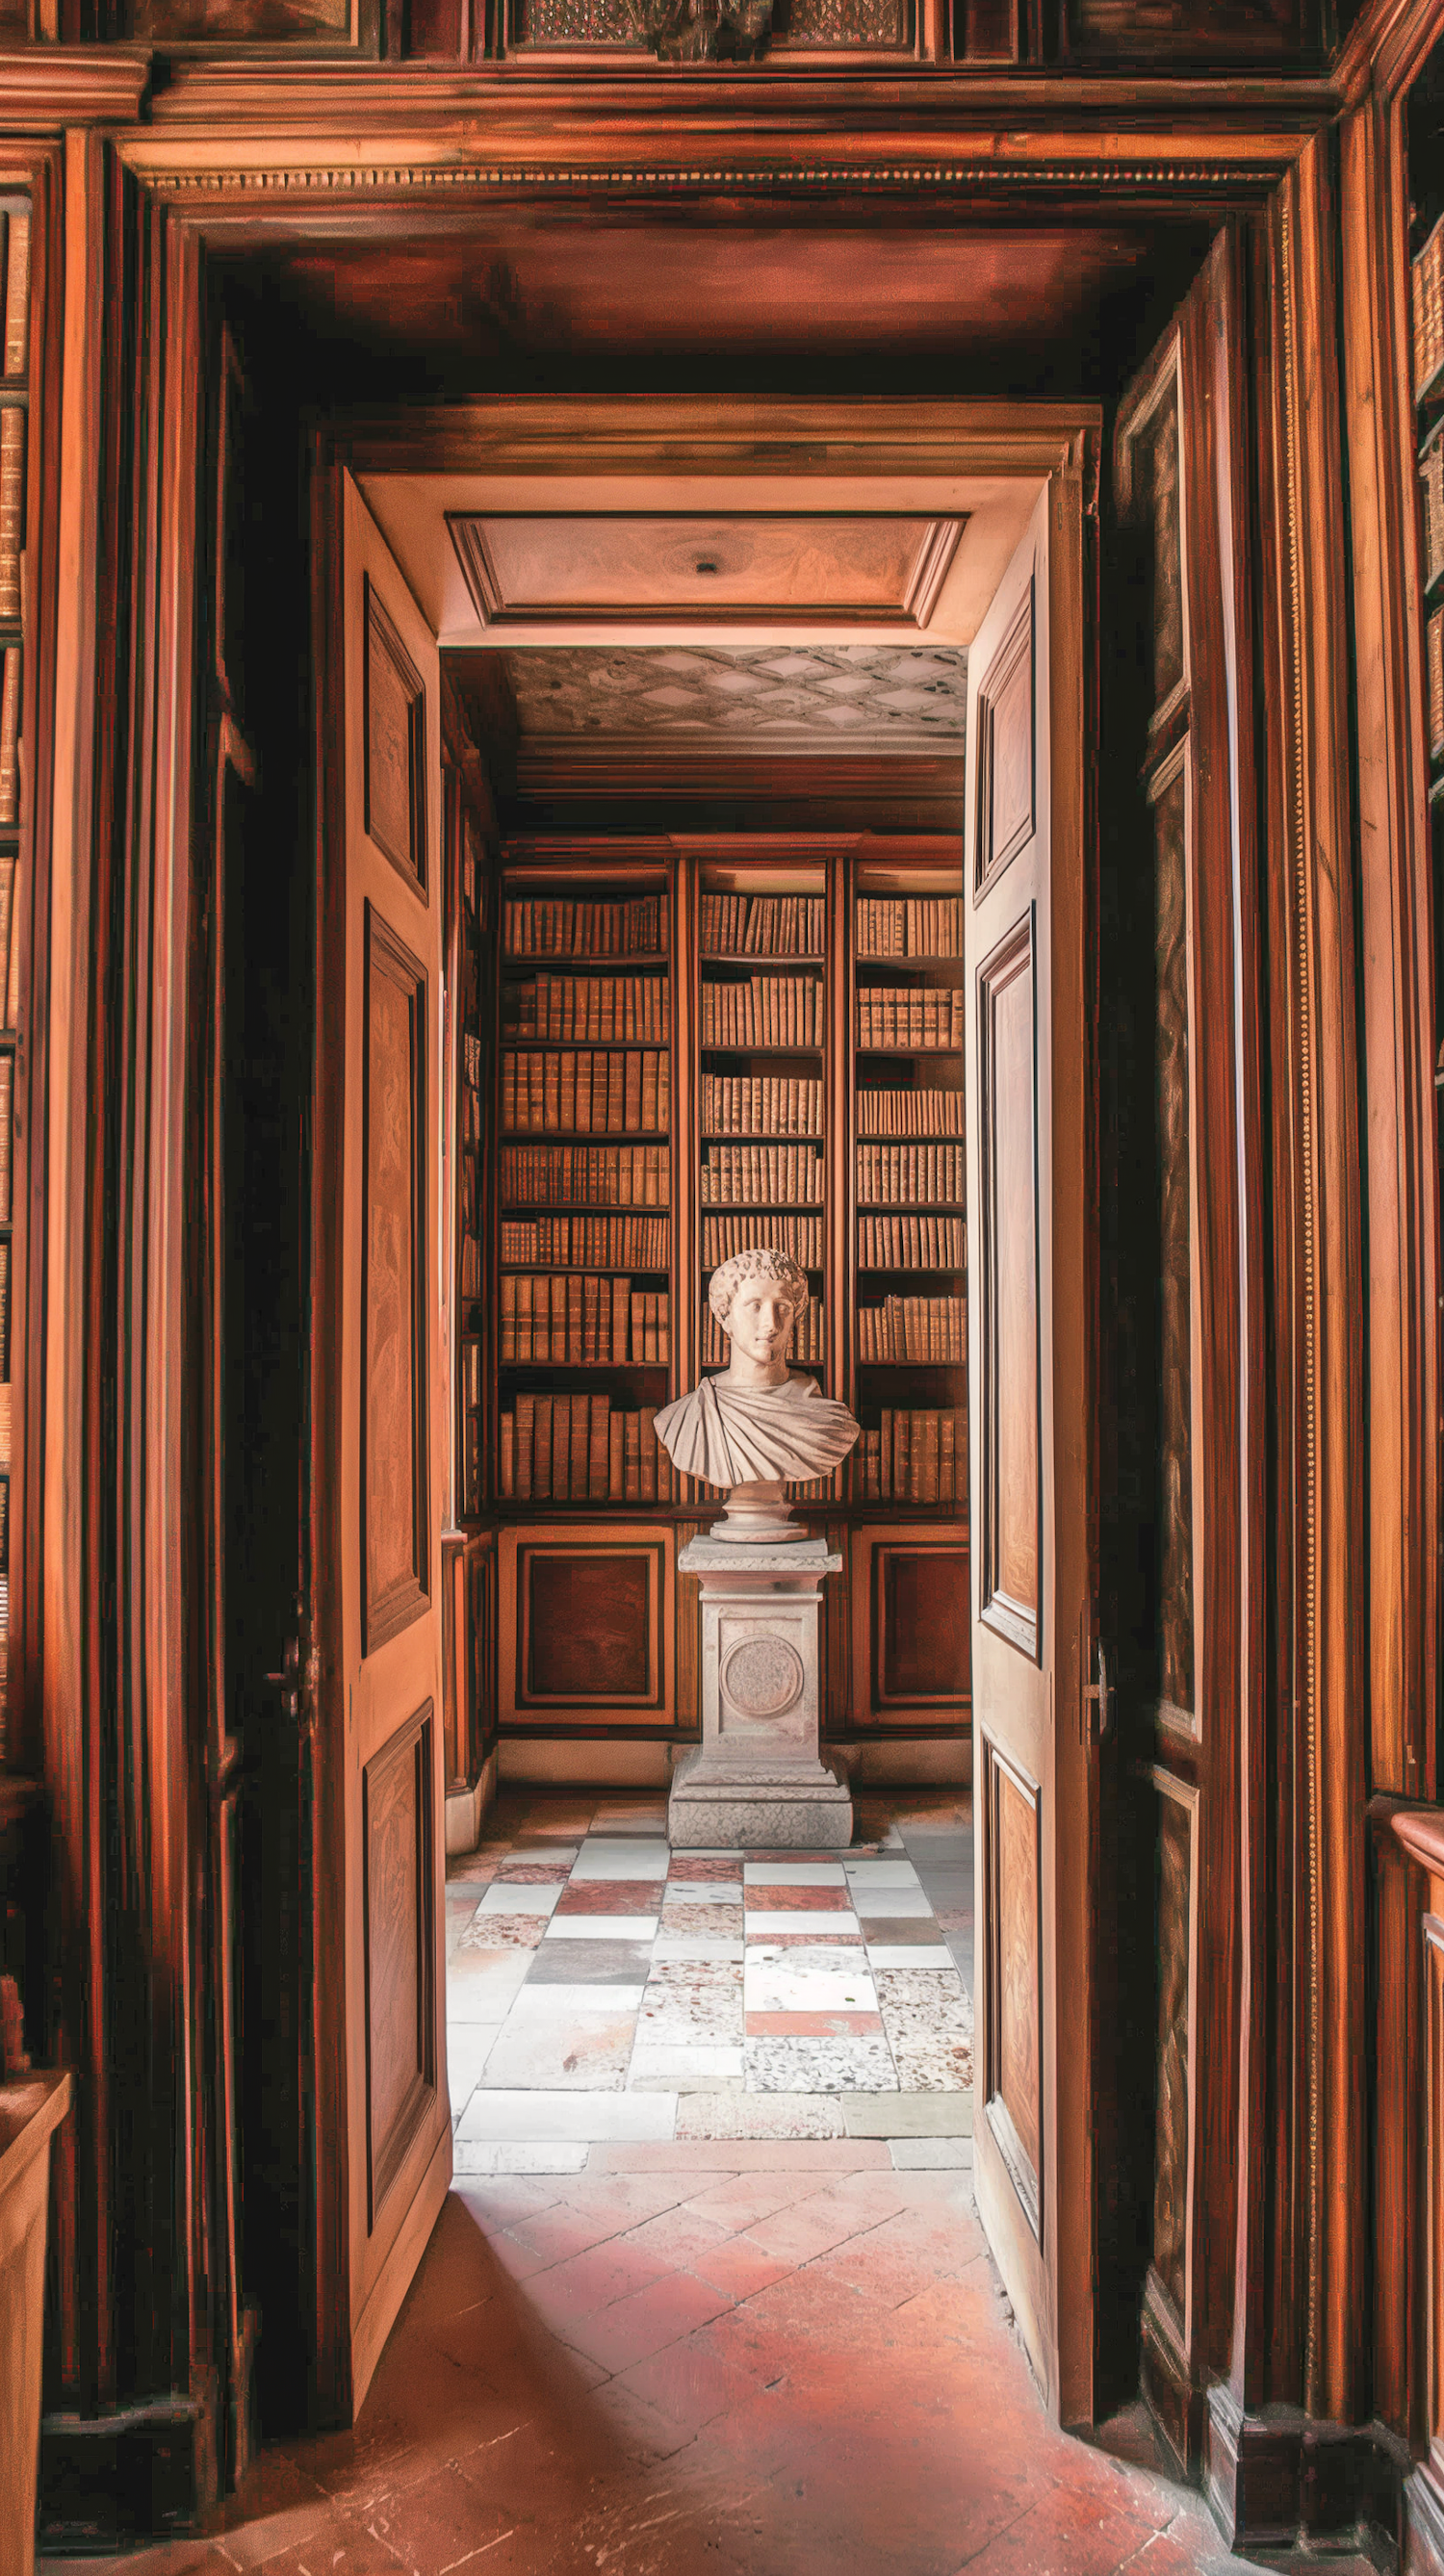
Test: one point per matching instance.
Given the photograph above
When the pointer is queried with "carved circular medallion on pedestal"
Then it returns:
(763, 1676)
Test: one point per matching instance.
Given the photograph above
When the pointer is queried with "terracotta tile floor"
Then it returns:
(706, 2356)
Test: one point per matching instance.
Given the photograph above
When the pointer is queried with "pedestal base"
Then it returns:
(758, 1781)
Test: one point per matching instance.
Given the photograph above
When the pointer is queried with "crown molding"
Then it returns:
(45, 88)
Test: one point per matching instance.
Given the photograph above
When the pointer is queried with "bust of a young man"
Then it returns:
(760, 1426)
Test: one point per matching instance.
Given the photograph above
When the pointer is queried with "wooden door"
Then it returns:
(1031, 1223)
(384, 2131)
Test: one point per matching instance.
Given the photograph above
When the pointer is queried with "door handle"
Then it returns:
(1097, 1700)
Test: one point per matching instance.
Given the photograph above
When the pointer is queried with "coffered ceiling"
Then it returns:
(787, 698)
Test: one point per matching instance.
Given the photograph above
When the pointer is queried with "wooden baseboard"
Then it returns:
(1174, 2401)
(1421, 2549)
(145, 2472)
(1284, 2481)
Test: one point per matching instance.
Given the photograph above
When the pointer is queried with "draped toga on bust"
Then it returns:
(738, 1435)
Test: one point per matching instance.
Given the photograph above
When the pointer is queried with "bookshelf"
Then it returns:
(762, 1088)
(700, 1047)
(584, 1127)
(909, 1228)
(472, 1266)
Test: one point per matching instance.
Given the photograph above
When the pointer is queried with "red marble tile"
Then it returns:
(809, 2228)
(676, 2236)
(803, 2025)
(800, 1940)
(533, 1873)
(798, 1900)
(610, 1896)
(688, 1870)
(736, 2266)
(1065, 2534)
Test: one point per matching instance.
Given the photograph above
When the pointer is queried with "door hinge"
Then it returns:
(1097, 1699)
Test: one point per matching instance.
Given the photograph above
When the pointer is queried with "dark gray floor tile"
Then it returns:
(590, 1963)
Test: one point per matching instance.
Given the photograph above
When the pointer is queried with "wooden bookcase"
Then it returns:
(701, 1045)
(1424, 128)
(15, 437)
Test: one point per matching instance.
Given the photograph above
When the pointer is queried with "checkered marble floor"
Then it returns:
(603, 1987)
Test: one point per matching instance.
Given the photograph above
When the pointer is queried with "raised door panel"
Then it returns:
(1007, 1118)
(399, 1901)
(395, 1387)
(1007, 766)
(1012, 2061)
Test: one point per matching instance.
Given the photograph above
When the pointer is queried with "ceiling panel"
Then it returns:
(871, 568)
(823, 698)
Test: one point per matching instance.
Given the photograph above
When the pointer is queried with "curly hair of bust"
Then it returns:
(760, 1264)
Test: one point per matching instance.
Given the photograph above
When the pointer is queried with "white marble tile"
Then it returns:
(758, 2115)
(817, 2066)
(928, 2019)
(569, 2002)
(896, 1901)
(660, 2066)
(560, 2114)
(503, 1932)
(897, 1954)
(923, 2155)
(840, 1924)
(881, 1873)
(609, 1856)
(602, 1927)
(482, 1985)
(467, 2043)
(704, 1891)
(518, 2156)
(809, 1959)
(794, 1873)
(701, 1947)
(941, 1990)
(572, 2052)
(777, 1988)
(692, 2003)
(506, 1897)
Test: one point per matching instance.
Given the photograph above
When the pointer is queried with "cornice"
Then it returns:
(45, 88)
(1385, 47)
(737, 434)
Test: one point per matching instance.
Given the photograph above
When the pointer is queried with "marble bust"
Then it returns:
(760, 1425)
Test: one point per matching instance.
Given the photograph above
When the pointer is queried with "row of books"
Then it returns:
(611, 1093)
(575, 1449)
(10, 738)
(809, 1340)
(919, 1331)
(914, 1457)
(909, 926)
(891, 1017)
(762, 925)
(586, 1242)
(1434, 657)
(909, 1175)
(909, 1113)
(544, 927)
(761, 1176)
(17, 293)
(760, 1106)
(798, 1236)
(7, 1118)
(9, 940)
(1429, 311)
(586, 1175)
(766, 1011)
(1431, 478)
(596, 1010)
(576, 1320)
(911, 1242)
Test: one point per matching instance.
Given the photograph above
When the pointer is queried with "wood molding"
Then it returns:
(1400, 1143)
(50, 89)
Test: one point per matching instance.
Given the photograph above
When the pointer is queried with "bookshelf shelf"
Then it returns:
(557, 961)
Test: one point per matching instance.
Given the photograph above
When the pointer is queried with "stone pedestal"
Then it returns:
(757, 1781)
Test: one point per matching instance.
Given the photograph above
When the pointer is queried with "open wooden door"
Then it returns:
(383, 2123)
(1032, 1227)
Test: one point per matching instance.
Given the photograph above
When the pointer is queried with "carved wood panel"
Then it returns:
(1007, 753)
(394, 723)
(399, 1938)
(1175, 1280)
(1007, 1110)
(911, 1620)
(1433, 2051)
(1013, 2095)
(586, 1625)
(394, 1392)
(1173, 1945)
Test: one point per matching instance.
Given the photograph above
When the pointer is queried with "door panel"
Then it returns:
(1031, 1056)
(380, 1452)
